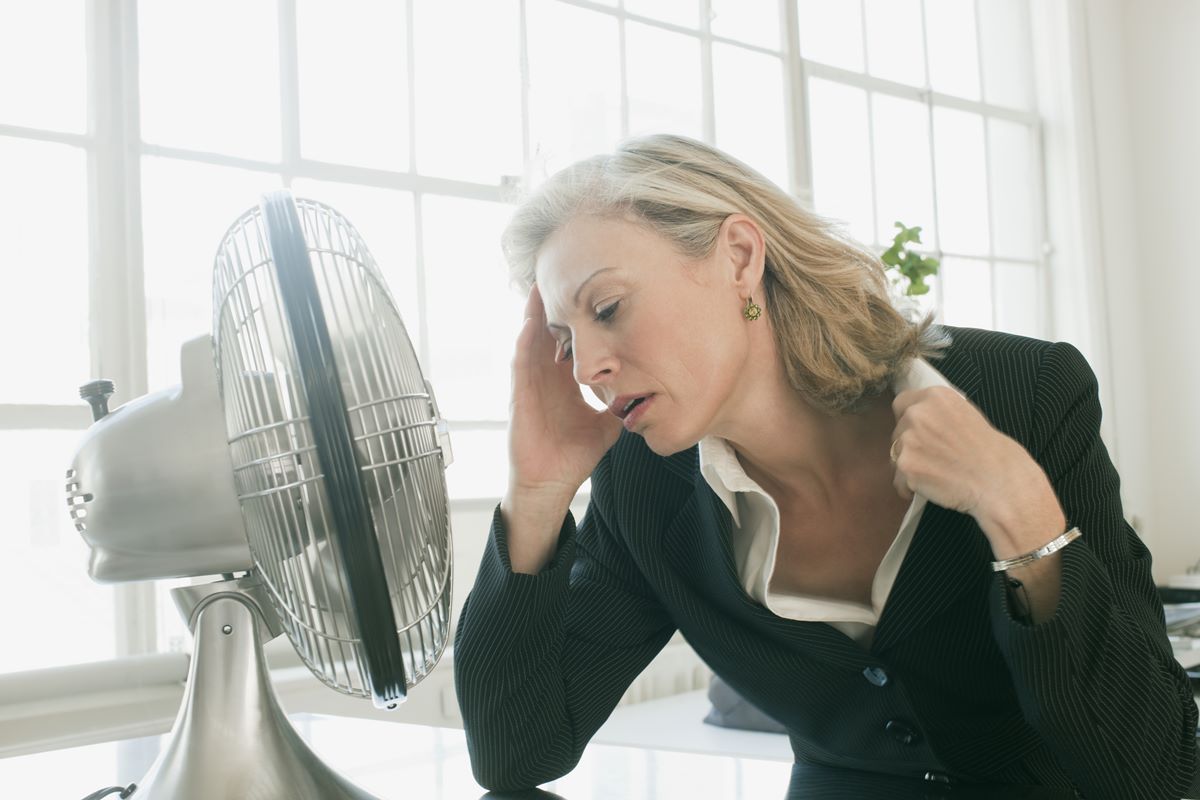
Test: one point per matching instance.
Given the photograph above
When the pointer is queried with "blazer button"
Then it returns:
(902, 732)
(876, 676)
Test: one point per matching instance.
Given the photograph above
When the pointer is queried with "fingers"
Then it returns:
(535, 342)
(900, 484)
(521, 355)
(533, 305)
(943, 399)
(905, 400)
(900, 479)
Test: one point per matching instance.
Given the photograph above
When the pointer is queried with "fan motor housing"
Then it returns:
(150, 488)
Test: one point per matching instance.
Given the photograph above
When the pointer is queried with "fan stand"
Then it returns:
(231, 739)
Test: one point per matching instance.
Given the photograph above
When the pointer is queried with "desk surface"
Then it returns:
(395, 760)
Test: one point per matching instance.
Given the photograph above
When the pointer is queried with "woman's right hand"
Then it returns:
(555, 440)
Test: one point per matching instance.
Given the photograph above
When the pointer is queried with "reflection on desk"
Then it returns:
(394, 760)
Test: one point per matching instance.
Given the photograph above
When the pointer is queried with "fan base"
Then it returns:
(231, 739)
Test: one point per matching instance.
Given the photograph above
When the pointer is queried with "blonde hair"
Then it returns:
(841, 338)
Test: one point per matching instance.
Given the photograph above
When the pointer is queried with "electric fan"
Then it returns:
(305, 450)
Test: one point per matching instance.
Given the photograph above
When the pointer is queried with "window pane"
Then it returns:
(663, 76)
(44, 225)
(953, 55)
(574, 77)
(1018, 297)
(480, 467)
(841, 155)
(1006, 38)
(353, 83)
(186, 209)
(1014, 189)
(750, 21)
(678, 12)
(43, 561)
(966, 292)
(903, 176)
(171, 631)
(895, 41)
(210, 76)
(43, 43)
(458, 98)
(474, 314)
(831, 32)
(961, 181)
(750, 124)
(384, 219)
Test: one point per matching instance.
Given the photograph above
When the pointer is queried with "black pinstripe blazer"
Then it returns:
(952, 683)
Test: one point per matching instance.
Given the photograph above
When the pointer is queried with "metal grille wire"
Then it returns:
(392, 416)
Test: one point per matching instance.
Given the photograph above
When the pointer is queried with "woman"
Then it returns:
(917, 571)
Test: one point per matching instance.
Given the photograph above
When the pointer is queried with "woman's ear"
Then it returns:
(742, 241)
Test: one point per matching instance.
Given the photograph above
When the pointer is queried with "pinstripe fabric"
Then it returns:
(1091, 699)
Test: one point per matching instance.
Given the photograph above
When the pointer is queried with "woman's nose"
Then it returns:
(593, 363)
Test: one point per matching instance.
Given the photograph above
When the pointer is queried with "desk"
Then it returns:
(414, 762)
(395, 760)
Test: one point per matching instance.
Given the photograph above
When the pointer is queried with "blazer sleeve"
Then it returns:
(540, 661)
(1098, 679)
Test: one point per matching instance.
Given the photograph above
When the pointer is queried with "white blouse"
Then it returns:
(756, 534)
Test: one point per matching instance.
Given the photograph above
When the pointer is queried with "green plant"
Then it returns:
(909, 265)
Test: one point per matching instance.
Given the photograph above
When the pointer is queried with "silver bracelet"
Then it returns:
(1028, 558)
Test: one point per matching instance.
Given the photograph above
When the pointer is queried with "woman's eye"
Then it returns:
(565, 351)
(605, 314)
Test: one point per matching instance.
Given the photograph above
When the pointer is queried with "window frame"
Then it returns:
(114, 149)
(931, 100)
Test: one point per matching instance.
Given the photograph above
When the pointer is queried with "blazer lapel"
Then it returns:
(948, 554)
(948, 551)
(698, 547)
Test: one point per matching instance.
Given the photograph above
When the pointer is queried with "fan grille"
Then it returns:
(278, 476)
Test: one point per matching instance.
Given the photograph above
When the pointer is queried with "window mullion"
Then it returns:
(993, 266)
(117, 329)
(927, 98)
(623, 61)
(289, 89)
(799, 136)
(1045, 246)
(879, 85)
(424, 351)
(526, 133)
(410, 55)
(116, 306)
(706, 72)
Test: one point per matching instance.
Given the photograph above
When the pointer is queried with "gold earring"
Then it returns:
(752, 311)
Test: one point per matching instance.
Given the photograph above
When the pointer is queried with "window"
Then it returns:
(923, 111)
(122, 168)
(46, 322)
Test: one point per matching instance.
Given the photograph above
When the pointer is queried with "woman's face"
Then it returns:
(637, 319)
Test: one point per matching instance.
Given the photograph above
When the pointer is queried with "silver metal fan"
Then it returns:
(312, 457)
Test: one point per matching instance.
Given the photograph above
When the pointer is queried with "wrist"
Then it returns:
(532, 522)
(537, 501)
(1021, 522)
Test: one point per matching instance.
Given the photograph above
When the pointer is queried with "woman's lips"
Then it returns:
(636, 413)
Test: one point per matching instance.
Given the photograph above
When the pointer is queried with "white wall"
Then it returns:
(1146, 114)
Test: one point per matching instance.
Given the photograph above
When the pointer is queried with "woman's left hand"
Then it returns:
(945, 449)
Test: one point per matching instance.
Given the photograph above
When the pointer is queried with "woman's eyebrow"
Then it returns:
(579, 292)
